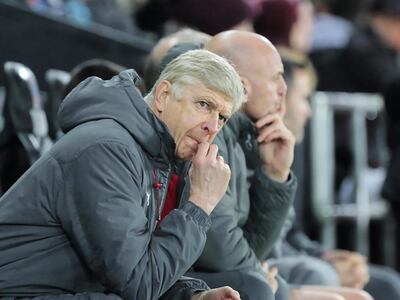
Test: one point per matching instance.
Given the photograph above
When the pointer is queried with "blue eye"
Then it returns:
(203, 104)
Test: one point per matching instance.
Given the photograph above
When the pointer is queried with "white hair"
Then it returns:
(204, 67)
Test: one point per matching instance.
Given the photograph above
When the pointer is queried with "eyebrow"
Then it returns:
(214, 106)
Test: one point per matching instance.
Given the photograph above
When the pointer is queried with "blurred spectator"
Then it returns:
(351, 10)
(333, 28)
(350, 268)
(371, 55)
(86, 12)
(208, 16)
(212, 16)
(276, 20)
(286, 23)
(152, 67)
(330, 30)
(368, 63)
(330, 35)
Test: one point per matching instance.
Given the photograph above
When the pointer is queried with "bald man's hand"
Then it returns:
(351, 267)
(222, 293)
(276, 144)
(209, 177)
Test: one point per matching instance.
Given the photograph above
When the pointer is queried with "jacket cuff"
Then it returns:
(197, 214)
(184, 289)
(290, 183)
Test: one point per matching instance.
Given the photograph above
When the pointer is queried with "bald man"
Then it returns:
(248, 220)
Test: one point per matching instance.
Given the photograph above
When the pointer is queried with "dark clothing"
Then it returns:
(365, 64)
(384, 283)
(369, 62)
(247, 221)
(391, 187)
(83, 217)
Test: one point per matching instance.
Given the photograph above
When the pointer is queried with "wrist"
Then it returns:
(202, 203)
(278, 176)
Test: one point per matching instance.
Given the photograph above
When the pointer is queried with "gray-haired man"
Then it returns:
(86, 218)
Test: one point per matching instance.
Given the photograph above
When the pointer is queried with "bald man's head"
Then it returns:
(259, 65)
(241, 48)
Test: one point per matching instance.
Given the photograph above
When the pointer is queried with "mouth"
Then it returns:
(197, 141)
(194, 142)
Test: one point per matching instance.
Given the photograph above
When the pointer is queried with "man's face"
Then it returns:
(298, 109)
(197, 116)
(268, 88)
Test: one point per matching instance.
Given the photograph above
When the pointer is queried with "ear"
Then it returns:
(246, 88)
(163, 92)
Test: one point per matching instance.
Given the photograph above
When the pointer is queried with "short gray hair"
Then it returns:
(205, 67)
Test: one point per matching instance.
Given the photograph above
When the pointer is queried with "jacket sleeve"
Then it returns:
(238, 236)
(269, 207)
(184, 289)
(102, 212)
(298, 240)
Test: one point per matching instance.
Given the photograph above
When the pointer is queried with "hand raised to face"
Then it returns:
(276, 144)
(209, 177)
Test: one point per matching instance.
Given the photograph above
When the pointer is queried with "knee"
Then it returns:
(302, 294)
(319, 272)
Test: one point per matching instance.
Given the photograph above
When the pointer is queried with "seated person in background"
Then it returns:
(88, 221)
(332, 267)
(298, 269)
(246, 223)
(153, 62)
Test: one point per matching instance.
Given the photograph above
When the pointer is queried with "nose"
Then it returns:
(282, 90)
(211, 125)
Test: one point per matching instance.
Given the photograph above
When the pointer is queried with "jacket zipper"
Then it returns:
(157, 185)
